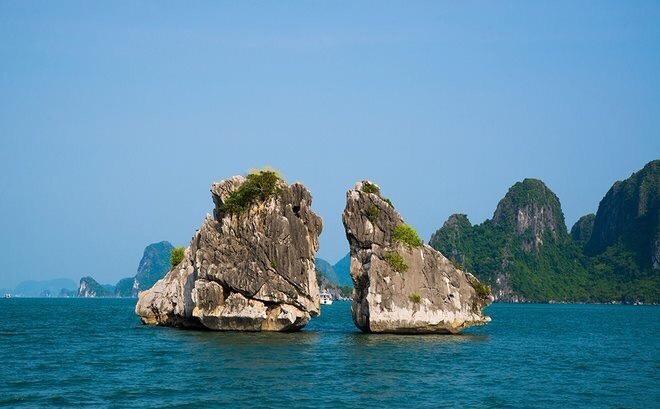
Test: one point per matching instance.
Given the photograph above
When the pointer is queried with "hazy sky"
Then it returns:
(115, 117)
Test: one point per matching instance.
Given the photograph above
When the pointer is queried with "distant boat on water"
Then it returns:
(326, 298)
(7, 295)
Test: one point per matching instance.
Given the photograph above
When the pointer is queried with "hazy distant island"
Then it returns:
(154, 264)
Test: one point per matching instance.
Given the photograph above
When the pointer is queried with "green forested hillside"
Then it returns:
(526, 254)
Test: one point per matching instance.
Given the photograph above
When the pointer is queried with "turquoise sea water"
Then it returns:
(94, 352)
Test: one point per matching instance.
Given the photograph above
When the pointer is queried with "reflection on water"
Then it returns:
(230, 339)
(394, 340)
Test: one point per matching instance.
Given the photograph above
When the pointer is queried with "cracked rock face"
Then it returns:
(403, 288)
(251, 270)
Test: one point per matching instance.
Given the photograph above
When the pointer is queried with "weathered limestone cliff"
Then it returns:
(401, 284)
(533, 211)
(249, 267)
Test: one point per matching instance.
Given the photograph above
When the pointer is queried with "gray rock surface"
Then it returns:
(430, 296)
(251, 270)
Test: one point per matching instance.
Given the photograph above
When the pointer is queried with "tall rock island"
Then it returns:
(401, 284)
(249, 267)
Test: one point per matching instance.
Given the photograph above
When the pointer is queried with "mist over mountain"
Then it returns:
(34, 288)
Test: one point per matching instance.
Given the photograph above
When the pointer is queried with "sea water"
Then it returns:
(95, 352)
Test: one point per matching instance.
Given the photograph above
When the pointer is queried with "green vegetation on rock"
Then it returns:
(258, 186)
(372, 213)
(177, 256)
(582, 229)
(368, 187)
(396, 262)
(481, 289)
(526, 254)
(415, 298)
(406, 234)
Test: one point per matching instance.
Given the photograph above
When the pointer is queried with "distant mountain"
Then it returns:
(90, 288)
(154, 264)
(327, 279)
(326, 268)
(32, 288)
(624, 246)
(581, 230)
(124, 287)
(526, 254)
(66, 293)
(629, 216)
(343, 270)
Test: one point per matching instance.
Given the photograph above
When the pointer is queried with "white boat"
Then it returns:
(326, 298)
(7, 295)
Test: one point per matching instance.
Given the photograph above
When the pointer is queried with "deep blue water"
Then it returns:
(94, 352)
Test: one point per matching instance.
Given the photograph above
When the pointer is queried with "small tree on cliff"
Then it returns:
(177, 256)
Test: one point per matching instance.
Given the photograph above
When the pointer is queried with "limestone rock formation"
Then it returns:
(581, 230)
(401, 284)
(90, 288)
(249, 267)
(629, 215)
(534, 212)
(154, 264)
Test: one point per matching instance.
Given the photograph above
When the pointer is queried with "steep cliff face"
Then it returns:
(629, 216)
(582, 229)
(533, 211)
(402, 285)
(249, 267)
(90, 288)
(524, 252)
(155, 262)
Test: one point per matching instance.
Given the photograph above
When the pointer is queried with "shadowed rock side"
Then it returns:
(247, 268)
(403, 285)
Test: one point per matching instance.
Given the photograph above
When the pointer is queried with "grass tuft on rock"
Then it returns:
(482, 290)
(395, 261)
(456, 264)
(415, 298)
(368, 187)
(259, 186)
(177, 256)
(372, 213)
(406, 234)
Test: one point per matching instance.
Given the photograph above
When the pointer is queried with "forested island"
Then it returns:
(526, 253)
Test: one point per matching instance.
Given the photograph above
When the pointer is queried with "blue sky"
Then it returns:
(115, 117)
